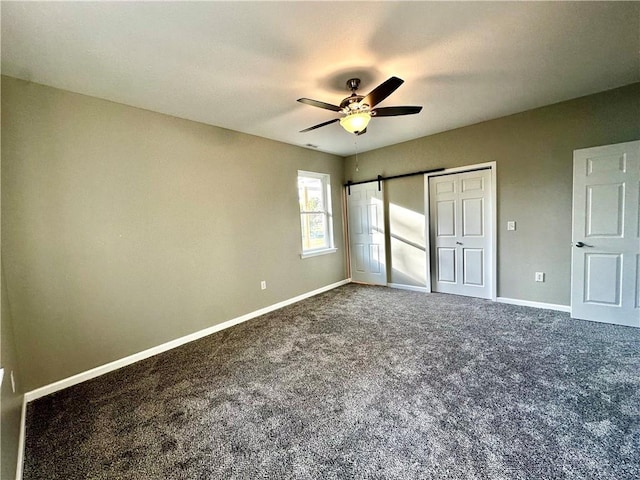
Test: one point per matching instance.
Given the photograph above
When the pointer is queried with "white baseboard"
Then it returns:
(413, 288)
(527, 303)
(136, 357)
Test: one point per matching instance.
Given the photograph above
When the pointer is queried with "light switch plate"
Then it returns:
(511, 225)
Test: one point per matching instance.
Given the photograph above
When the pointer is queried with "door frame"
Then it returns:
(493, 271)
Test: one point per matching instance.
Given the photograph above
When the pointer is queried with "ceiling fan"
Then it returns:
(358, 110)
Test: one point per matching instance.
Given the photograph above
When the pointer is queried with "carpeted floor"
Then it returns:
(360, 383)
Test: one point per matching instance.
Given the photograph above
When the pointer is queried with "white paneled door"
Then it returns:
(605, 260)
(366, 233)
(461, 233)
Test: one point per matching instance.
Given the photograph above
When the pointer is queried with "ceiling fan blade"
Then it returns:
(395, 111)
(320, 125)
(382, 91)
(316, 103)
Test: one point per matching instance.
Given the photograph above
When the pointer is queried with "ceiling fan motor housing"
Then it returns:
(352, 102)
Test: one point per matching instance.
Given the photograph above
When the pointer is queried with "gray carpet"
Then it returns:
(360, 382)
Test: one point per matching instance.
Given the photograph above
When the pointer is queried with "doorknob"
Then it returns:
(458, 243)
(581, 244)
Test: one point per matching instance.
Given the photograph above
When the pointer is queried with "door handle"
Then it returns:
(458, 243)
(581, 244)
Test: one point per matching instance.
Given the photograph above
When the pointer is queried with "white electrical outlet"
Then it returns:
(511, 225)
(263, 284)
(539, 276)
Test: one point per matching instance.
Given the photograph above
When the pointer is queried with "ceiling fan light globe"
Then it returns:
(355, 122)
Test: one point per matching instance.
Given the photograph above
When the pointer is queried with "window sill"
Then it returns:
(315, 253)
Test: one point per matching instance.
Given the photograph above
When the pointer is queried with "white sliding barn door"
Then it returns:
(460, 213)
(366, 234)
(605, 260)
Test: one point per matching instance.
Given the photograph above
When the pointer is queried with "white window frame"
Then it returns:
(325, 178)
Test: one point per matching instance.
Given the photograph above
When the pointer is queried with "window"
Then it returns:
(314, 194)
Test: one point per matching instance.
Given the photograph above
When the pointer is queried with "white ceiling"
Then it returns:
(242, 65)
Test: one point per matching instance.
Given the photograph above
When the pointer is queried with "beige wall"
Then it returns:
(123, 229)
(534, 155)
(406, 232)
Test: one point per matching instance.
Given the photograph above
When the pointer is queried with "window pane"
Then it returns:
(310, 194)
(314, 231)
(315, 211)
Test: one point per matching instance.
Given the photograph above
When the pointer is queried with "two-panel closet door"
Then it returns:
(461, 233)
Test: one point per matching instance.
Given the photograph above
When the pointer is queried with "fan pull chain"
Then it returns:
(355, 142)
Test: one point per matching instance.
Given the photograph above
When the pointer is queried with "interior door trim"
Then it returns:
(494, 219)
